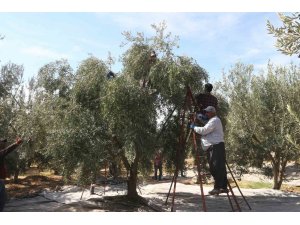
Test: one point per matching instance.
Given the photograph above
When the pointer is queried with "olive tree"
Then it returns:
(258, 121)
(11, 98)
(153, 82)
(67, 105)
(82, 119)
(288, 42)
(288, 35)
(131, 115)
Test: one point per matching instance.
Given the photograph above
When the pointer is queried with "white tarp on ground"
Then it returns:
(187, 198)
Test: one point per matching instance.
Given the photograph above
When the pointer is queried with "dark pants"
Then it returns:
(2, 195)
(159, 168)
(216, 160)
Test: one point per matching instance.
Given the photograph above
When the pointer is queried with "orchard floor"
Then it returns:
(110, 198)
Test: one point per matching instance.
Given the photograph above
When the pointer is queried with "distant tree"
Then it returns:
(68, 107)
(288, 35)
(10, 80)
(48, 104)
(294, 138)
(293, 109)
(11, 106)
(56, 78)
(258, 121)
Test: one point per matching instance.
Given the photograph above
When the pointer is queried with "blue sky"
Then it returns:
(215, 40)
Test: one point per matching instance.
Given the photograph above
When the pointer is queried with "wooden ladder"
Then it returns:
(184, 136)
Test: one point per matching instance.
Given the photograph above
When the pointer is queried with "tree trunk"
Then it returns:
(132, 180)
(278, 180)
(276, 176)
(278, 172)
(132, 183)
(132, 169)
(16, 175)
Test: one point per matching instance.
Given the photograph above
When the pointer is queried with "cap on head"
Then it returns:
(208, 87)
(210, 109)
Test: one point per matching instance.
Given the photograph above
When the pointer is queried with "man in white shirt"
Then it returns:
(212, 140)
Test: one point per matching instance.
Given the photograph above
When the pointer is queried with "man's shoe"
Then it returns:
(214, 192)
(222, 190)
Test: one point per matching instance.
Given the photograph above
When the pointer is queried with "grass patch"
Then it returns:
(254, 184)
(258, 185)
(289, 188)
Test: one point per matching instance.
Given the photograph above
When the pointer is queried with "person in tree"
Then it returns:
(205, 99)
(4, 151)
(212, 138)
(153, 57)
(158, 165)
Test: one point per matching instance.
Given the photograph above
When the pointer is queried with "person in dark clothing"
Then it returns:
(205, 99)
(158, 165)
(4, 151)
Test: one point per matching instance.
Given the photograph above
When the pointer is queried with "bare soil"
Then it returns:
(32, 185)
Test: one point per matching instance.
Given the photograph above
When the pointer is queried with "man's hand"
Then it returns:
(192, 126)
(19, 140)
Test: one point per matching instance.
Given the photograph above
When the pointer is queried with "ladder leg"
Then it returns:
(174, 189)
(230, 202)
(202, 191)
(234, 198)
(180, 150)
(236, 184)
(170, 190)
(199, 167)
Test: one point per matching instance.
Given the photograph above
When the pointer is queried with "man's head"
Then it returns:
(210, 111)
(208, 87)
(152, 56)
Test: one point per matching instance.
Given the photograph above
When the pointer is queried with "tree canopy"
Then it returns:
(288, 35)
(258, 121)
(80, 121)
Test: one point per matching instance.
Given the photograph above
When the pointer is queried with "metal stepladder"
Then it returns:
(189, 106)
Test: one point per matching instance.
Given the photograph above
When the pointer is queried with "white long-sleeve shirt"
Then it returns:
(212, 133)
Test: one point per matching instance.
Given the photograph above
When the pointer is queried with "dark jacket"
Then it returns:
(206, 99)
(158, 159)
(4, 152)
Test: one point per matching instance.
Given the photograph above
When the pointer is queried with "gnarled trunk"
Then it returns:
(132, 183)
(279, 166)
(132, 179)
(131, 168)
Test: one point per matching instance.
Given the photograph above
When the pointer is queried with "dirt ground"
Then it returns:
(38, 193)
(32, 185)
